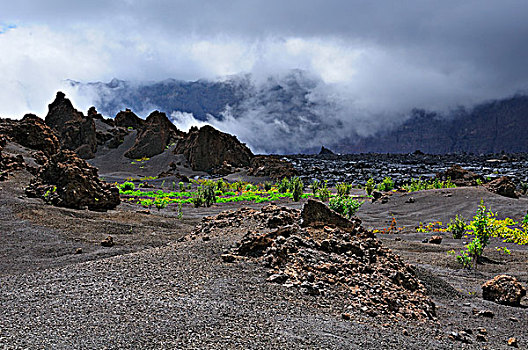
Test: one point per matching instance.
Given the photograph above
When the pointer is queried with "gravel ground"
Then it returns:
(155, 292)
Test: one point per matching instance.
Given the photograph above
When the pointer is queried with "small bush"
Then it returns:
(284, 185)
(323, 192)
(316, 184)
(386, 185)
(457, 227)
(343, 189)
(345, 206)
(369, 186)
(128, 186)
(297, 187)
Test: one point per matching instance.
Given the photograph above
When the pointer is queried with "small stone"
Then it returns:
(405, 332)
(485, 313)
(345, 316)
(482, 330)
(513, 342)
(206, 238)
(425, 240)
(228, 258)
(78, 251)
(410, 200)
(397, 239)
(481, 338)
(435, 240)
(108, 242)
(277, 278)
(514, 319)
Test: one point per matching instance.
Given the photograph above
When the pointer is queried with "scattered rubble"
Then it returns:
(319, 251)
(460, 176)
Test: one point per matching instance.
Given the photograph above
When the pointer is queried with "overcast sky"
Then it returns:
(380, 56)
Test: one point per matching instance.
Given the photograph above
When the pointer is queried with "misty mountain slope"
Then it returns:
(297, 113)
(488, 128)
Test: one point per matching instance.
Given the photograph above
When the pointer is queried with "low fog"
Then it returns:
(368, 63)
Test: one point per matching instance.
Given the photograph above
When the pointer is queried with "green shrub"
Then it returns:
(345, 206)
(316, 184)
(297, 187)
(343, 189)
(267, 186)
(457, 227)
(369, 186)
(284, 186)
(128, 186)
(323, 192)
(386, 185)
(161, 203)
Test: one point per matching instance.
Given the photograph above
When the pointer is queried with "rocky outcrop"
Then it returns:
(323, 256)
(76, 131)
(207, 149)
(68, 181)
(31, 132)
(127, 119)
(325, 151)
(503, 289)
(503, 186)
(460, 176)
(271, 166)
(154, 137)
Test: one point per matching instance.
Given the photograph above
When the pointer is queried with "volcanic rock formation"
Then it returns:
(324, 253)
(76, 131)
(503, 186)
(503, 289)
(155, 135)
(207, 149)
(68, 181)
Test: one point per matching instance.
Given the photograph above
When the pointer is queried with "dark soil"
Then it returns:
(155, 289)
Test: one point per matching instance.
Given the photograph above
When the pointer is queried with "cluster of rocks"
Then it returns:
(460, 176)
(319, 251)
(358, 168)
(68, 181)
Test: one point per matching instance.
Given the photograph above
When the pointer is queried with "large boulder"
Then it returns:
(68, 181)
(76, 131)
(271, 166)
(503, 186)
(207, 148)
(317, 214)
(460, 176)
(503, 289)
(156, 134)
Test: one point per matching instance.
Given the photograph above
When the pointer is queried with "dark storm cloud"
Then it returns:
(375, 60)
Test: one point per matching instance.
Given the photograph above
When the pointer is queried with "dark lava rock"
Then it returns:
(503, 186)
(317, 214)
(503, 289)
(207, 148)
(156, 134)
(127, 119)
(31, 132)
(460, 176)
(435, 239)
(325, 151)
(76, 132)
(108, 242)
(68, 181)
(271, 166)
